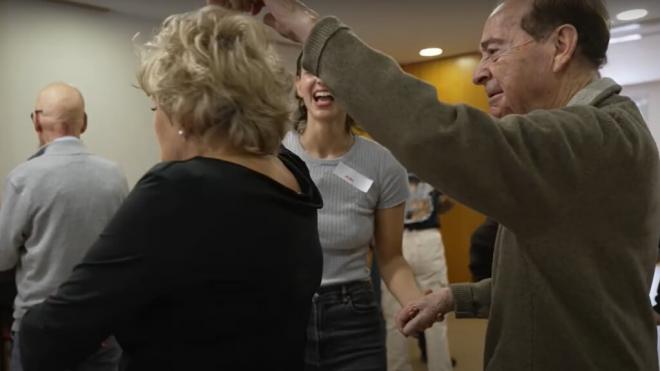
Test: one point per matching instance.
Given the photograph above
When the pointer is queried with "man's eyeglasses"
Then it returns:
(34, 113)
(491, 56)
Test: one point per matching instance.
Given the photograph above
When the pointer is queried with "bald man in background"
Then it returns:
(54, 207)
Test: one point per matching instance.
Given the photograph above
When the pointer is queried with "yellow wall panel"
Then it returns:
(452, 77)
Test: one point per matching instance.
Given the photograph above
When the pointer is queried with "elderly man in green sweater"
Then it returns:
(564, 163)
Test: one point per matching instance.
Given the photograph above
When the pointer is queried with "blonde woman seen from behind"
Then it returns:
(215, 256)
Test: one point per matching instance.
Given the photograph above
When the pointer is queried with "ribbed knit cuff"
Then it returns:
(463, 300)
(316, 42)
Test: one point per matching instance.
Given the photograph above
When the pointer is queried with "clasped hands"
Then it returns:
(422, 313)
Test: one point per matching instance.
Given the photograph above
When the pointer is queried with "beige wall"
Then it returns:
(41, 42)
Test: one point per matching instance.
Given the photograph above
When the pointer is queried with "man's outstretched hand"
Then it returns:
(290, 18)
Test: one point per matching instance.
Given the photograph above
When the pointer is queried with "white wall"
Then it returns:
(634, 62)
(649, 95)
(42, 42)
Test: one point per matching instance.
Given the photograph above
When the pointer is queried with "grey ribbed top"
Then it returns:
(346, 221)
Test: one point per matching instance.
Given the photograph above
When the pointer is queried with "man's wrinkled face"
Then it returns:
(514, 67)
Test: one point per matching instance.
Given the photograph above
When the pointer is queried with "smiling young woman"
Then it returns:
(364, 189)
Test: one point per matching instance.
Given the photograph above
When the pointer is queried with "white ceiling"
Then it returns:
(401, 28)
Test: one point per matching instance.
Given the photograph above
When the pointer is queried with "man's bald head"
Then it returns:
(60, 111)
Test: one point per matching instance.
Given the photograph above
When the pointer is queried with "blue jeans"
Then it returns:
(105, 359)
(345, 330)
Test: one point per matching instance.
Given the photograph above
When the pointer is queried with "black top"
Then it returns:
(208, 265)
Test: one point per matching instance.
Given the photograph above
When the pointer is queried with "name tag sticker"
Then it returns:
(353, 178)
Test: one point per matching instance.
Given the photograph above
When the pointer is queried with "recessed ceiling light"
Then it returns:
(625, 28)
(631, 15)
(623, 39)
(430, 52)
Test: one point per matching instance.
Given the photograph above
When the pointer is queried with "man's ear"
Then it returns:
(84, 127)
(37, 125)
(565, 44)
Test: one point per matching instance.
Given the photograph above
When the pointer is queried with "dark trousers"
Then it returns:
(105, 359)
(345, 330)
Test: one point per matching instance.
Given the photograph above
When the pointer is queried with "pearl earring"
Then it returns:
(180, 132)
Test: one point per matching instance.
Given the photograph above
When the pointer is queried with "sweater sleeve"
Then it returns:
(123, 271)
(472, 300)
(513, 169)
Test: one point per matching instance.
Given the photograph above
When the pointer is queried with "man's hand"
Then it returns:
(421, 314)
(291, 18)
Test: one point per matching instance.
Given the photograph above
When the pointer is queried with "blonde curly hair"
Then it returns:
(214, 72)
